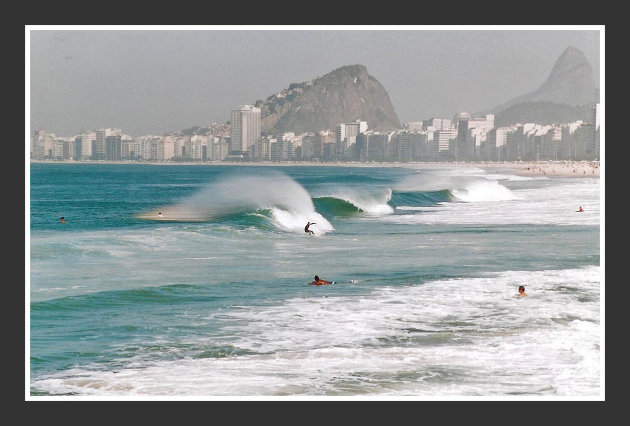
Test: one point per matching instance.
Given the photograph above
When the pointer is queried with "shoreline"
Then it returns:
(566, 168)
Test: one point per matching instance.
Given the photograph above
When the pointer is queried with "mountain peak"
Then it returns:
(572, 51)
(343, 95)
(356, 69)
(570, 82)
(571, 60)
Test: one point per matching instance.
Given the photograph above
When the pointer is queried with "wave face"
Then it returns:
(274, 194)
(461, 188)
(402, 199)
(347, 201)
(331, 206)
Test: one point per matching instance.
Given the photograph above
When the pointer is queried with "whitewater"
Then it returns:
(187, 281)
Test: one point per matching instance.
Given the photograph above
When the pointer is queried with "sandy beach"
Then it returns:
(522, 168)
(551, 168)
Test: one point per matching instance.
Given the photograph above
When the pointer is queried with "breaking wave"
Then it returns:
(273, 196)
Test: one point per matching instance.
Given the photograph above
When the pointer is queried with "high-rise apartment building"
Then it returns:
(99, 146)
(83, 145)
(246, 127)
(346, 136)
(442, 140)
(594, 144)
(437, 124)
(470, 133)
(113, 148)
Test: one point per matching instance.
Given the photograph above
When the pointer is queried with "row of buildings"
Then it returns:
(462, 138)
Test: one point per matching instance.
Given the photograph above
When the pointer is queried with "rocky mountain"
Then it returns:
(570, 83)
(341, 96)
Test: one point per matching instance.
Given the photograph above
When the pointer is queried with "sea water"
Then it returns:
(192, 281)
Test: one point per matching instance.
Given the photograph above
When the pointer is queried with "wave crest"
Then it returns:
(290, 204)
(483, 190)
(471, 188)
(349, 201)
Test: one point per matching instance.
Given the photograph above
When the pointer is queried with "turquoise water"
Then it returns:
(211, 296)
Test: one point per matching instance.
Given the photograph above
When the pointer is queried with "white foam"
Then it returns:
(470, 185)
(491, 203)
(483, 190)
(412, 208)
(295, 222)
(467, 336)
(499, 176)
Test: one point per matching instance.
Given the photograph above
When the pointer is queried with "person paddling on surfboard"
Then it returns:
(308, 231)
(319, 281)
(580, 210)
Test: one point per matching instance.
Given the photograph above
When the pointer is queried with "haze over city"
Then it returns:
(155, 82)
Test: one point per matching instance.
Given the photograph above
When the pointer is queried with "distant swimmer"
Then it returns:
(62, 220)
(521, 291)
(308, 231)
(580, 210)
(319, 281)
(159, 214)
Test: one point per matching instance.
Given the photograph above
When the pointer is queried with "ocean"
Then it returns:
(176, 281)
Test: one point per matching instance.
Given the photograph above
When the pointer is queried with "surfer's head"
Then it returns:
(521, 289)
(316, 278)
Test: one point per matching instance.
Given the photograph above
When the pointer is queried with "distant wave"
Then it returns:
(275, 201)
(482, 190)
(331, 206)
(401, 199)
(352, 202)
(473, 188)
(347, 201)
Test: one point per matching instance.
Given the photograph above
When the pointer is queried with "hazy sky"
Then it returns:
(152, 82)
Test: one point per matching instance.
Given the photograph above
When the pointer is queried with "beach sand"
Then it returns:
(549, 168)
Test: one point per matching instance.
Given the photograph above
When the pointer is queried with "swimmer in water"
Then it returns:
(62, 220)
(319, 281)
(521, 291)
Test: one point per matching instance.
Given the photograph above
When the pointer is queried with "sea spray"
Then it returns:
(295, 221)
(290, 204)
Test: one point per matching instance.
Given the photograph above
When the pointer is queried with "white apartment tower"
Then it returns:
(443, 137)
(246, 126)
(595, 116)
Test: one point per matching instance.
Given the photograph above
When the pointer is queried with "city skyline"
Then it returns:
(89, 79)
(464, 138)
